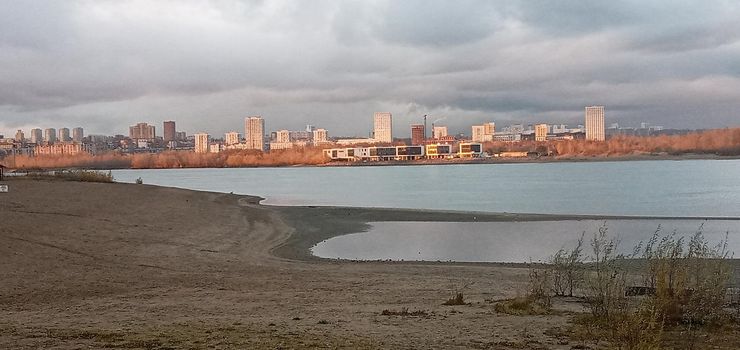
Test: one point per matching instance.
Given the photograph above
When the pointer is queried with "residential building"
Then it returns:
(78, 134)
(595, 123)
(142, 131)
(282, 136)
(201, 143)
(181, 136)
(63, 148)
(417, 134)
(231, 138)
(354, 141)
(383, 127)
(50, 135)
(280, 145)
(19, 136)
(439, 132)
(254, 132)
(483, 133)
(320, 136)
(540, 132)
(170, 131)
(37, 136)
(301, 135)
(63, 135)
(489, 128)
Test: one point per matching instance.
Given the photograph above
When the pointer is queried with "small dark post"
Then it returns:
(1, 171)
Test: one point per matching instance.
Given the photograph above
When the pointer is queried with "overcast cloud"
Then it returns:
(105, 65)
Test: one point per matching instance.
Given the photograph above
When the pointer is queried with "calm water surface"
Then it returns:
(655, 188)
(507, 241)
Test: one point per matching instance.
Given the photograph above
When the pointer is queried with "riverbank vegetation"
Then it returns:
(670, 292)
(721, 142)
(172, 159)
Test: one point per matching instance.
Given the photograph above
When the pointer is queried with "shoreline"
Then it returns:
(101, 265)
(338, 221)
(427, 162)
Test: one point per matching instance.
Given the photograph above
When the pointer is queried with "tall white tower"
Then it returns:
(254, 132)
(595, 123)
(383, 127)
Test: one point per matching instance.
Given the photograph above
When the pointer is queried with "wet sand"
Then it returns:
(93, 265)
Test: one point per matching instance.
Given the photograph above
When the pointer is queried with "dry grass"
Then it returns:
(75, 175)
(404, 312)
(523, 306)
(458, 299)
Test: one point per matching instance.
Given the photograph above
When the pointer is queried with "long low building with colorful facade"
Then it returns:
(387, 153)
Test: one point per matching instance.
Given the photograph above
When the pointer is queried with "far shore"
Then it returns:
(456, 161)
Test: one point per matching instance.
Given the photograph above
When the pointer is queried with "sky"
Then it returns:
(105, 65)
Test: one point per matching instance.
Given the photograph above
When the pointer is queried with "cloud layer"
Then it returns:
(105, 65)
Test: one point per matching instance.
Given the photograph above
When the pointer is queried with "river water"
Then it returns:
(688, 188)
(653, 188)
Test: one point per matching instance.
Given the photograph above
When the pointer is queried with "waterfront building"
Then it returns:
(383, 127)
(78, 134)
(170, 131)
(470, 150)
(231, 138)
(201, 143)
(254, 132)
(320, 136)
(540, 132)
(142, 131)
(37, 136)
(438, 132)
(417, 134)
(595, 123)
(50, 135)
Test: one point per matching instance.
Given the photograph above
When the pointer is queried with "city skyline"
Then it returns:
(68, 63)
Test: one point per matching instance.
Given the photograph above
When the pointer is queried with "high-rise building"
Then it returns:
(78, 134)
(282, 136)
(540, 132)
(170, 132)
(50, 135)
(201, 143)
(142, 131)
(383, 127)
(595, 123)
(63, 135)
(417, 134)
(489, 128)
(439, 132)
(231, 138)
(483, 133)
(320, 136)
(19, 136)
(37, 136)
(254, 132)
(181, 136)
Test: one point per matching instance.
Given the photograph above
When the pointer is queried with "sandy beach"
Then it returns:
(96, 265)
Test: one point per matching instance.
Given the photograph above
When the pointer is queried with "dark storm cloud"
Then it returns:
(206, 64)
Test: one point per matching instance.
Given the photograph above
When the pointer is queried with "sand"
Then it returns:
(93, 265)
